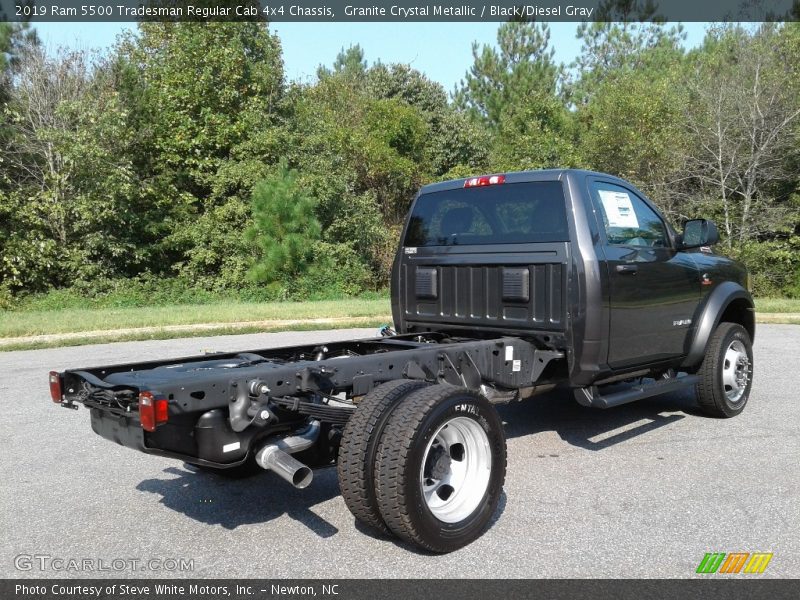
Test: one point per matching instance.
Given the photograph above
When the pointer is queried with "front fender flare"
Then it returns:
(708, 317)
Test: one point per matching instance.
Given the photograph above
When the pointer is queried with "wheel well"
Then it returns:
(740, 311)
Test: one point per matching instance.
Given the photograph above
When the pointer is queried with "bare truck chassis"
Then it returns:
(296, 383)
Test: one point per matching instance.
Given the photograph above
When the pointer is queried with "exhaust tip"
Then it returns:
(302, 478)
(285, 466)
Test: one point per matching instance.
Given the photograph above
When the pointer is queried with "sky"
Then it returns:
(440, 50)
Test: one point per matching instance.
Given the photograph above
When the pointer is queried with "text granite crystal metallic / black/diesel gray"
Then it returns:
(503, 286)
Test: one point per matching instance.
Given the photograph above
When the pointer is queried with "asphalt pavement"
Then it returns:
(643, 490)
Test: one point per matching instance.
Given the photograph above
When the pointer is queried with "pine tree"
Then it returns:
(284, 227)
(521, 66)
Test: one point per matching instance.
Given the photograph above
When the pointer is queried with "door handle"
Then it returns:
(627, 269)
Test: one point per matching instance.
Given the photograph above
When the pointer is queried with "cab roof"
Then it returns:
(516, 177)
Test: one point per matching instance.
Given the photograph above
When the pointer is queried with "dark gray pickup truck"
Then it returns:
(503, 287)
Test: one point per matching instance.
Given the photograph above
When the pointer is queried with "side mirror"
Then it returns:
(699, 232)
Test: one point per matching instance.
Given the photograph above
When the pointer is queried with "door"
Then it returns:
(653, 290)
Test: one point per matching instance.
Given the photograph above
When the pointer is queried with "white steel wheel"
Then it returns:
(735, 371)
(455, 469)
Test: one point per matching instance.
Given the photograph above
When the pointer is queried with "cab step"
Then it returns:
(592, 396)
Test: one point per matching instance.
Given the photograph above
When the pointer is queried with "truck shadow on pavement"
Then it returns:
(215, 500)
(594, 428)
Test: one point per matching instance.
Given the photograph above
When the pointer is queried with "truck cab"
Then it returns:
(573, 260)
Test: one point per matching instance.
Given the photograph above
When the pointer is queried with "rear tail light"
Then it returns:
(484, 180)
(162, 412)
(55, 387)
(153, 410)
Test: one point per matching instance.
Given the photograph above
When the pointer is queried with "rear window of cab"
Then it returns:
(516, 213)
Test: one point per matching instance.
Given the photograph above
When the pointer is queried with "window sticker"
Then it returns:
(619, 209)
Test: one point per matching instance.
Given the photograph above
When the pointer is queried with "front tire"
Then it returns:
(440, 468)
(727, 372)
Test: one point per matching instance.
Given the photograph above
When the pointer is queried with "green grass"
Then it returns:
(37, 322)
(166, 335)
(778, 305)
(353, 312)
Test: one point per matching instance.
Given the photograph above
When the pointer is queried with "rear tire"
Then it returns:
(440, 468)
(359, 446)
(727, 372)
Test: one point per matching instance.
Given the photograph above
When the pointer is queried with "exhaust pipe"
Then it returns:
(280, 463)
(276, 456)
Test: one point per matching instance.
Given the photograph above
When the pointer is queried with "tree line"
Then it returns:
(183, 159)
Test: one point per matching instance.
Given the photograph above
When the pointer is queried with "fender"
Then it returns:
(709, 317)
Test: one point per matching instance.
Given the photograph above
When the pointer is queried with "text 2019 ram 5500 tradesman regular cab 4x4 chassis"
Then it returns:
(503, 287)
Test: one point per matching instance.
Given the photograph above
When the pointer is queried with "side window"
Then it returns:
(628, 221)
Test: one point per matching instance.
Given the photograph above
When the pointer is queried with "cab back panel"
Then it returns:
(520, 290)
(492, 257)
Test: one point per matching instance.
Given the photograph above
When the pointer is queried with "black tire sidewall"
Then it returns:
(371, 449)
(380, 403)
(448, 536)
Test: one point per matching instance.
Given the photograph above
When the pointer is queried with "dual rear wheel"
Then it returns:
(424, 462)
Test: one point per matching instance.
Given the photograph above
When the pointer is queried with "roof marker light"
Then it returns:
(484, 180)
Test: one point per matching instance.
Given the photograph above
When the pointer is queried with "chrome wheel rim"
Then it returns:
(455, 470)
(735, 371)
